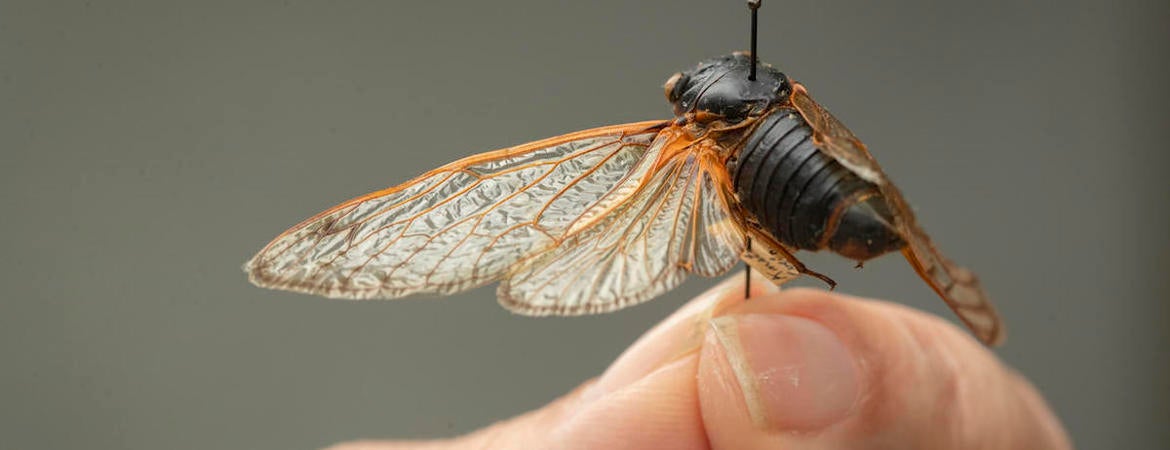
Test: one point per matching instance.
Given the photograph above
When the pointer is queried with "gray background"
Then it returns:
(148, 148)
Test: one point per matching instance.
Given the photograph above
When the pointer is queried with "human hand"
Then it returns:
(798, 369)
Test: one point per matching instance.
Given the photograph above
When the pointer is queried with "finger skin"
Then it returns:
(679, 334)
(924, 384)
(658, 411)
(529, 430)
(646, 396)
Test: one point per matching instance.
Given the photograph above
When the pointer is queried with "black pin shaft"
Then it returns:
(747, 281)
(755, 6)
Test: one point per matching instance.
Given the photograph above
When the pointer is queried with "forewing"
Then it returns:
(833, 138)
(457, 227)
(957, 286)
(676, 222)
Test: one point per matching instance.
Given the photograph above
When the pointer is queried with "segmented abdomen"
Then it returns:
(792, 187)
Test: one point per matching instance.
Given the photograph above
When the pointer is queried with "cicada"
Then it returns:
(601, 219)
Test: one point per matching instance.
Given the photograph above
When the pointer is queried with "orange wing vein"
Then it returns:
(957, 286)
(459, 226)
(676, 222)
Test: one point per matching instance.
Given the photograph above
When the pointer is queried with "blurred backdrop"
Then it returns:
(148, 148)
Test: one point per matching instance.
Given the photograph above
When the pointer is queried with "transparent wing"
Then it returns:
(957, 286)
(459, 226)
(677, 222)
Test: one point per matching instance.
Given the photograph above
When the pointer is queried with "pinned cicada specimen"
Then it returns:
(750, 168)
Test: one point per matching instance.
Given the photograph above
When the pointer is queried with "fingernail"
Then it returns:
(794, 373)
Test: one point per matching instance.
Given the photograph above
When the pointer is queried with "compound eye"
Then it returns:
(674, 86)
(783, 89)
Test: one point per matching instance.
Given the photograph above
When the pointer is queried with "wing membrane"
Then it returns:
(958, 286)
(676, 222)
(457, 227)
(833, 138)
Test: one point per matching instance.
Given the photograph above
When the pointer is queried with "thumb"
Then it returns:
(809, 369)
